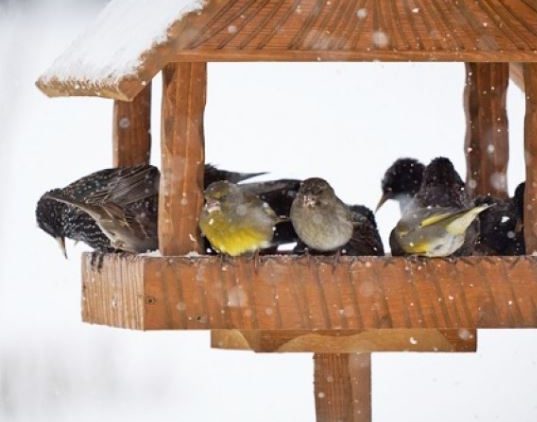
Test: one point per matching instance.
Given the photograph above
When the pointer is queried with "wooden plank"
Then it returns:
(132, 130)
(530, 154)
(107, 297)
(315, 30)
(207, 293)
(342, 387)
(487, 136)
(346, 341)
(183, 158)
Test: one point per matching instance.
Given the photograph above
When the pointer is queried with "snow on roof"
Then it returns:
(112, 48)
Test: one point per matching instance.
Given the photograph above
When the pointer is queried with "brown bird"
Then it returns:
(321, 220)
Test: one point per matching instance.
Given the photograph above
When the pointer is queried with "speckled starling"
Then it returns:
(136, 188)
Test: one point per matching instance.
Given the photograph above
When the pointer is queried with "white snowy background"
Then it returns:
(344, 122)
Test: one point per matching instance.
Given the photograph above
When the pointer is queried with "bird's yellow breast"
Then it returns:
(233, 238)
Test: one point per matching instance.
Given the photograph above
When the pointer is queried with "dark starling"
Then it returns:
(125, 206)
(65, 221)
(502, 227)
(401, 182)
(439, 221)
(321, 220)
(365, 240)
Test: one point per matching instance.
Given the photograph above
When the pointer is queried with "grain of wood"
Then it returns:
(183, 158)
(132, 130)
(205, 293)
(107, 299)
(342, 387)
(487, 133)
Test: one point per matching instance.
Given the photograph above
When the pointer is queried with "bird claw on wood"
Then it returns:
(97, 260)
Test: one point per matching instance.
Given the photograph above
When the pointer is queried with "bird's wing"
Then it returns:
(133, 185)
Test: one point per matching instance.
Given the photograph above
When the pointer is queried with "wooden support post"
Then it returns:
(183, 156)
(132, 130)
(343, 387)
(487, 143)
(530, 146)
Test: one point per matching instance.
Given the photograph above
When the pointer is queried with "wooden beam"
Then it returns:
(342, 387)
(183, 158)
(132, 130)
(530, 154)
(312, 293)
(487, 141)
(345, 341)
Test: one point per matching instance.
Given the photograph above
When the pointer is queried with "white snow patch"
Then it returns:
(111, 48)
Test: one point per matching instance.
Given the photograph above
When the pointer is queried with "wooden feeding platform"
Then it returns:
(342, 310)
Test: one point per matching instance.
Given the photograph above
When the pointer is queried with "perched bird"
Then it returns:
(502, 227)
(440, 219)
(321, 220)
(123, 204)
(433, 232)
(401, 182)
(365, 240)
(60, 220)
(236, 221)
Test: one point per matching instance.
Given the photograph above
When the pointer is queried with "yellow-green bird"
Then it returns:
(236, 221)
(433, 232)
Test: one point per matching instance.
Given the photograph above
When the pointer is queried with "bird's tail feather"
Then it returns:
(213, 174)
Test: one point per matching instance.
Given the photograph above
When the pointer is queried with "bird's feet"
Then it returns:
(97, 260)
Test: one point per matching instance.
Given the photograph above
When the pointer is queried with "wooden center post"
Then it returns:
(183, 158)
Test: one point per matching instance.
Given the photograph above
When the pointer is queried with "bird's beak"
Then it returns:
(61, 242)
(383, 199)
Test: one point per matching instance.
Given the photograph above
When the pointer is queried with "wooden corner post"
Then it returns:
(530, 154)
(487, 144)
(132, 130)
(183, 157)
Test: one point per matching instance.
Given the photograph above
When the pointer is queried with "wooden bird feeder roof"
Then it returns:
(131, 41)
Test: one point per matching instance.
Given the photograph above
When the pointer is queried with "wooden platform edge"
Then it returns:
(346, 341)
(308, 294)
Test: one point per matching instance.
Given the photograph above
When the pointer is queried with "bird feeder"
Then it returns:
(341, 312)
